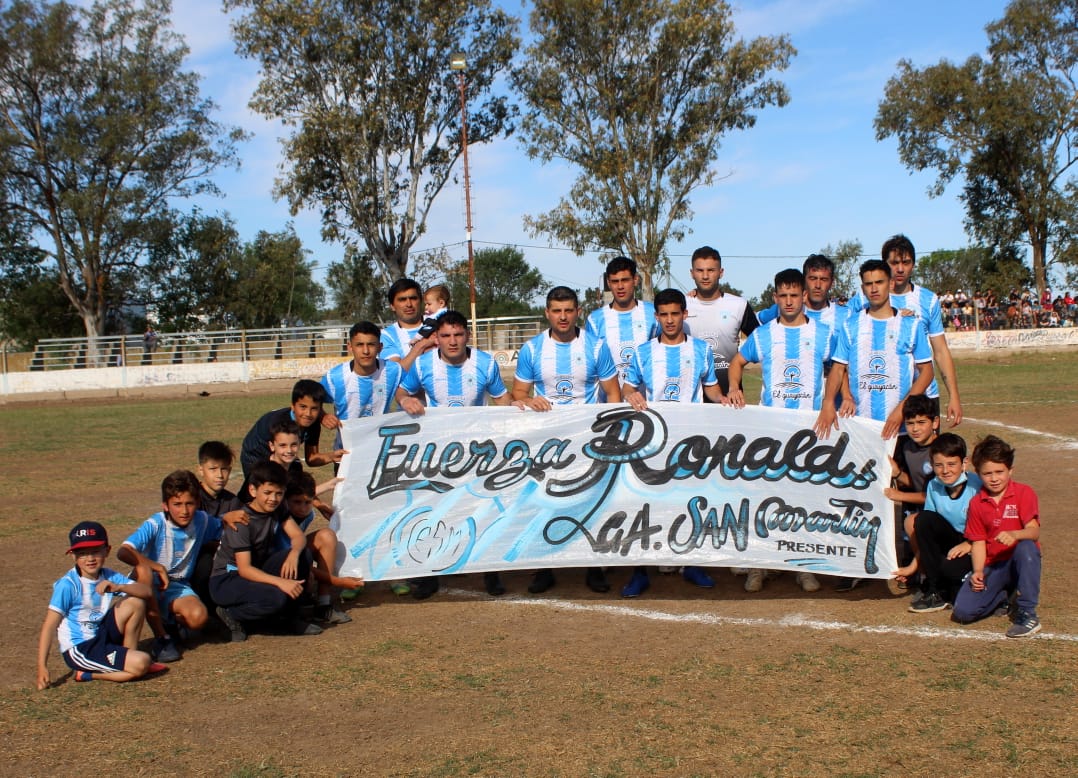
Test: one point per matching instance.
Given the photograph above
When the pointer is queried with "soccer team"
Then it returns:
(972, 537)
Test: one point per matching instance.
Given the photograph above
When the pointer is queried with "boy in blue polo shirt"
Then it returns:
(98, 631)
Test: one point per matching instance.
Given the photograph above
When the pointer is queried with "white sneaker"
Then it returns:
(667, 569)
(739, 570)
(807, 582)
(755, 581)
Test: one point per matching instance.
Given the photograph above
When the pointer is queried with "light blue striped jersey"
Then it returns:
(468, 383)
(76, 599)
(673, 373)
(356, 396)
(926, 306)
(175, 547)
(792, 362)
(882, 355)
(566, 373)
(623, 331)
(833, 315)
(397, 340)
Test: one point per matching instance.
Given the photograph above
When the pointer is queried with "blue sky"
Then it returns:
(807, 175)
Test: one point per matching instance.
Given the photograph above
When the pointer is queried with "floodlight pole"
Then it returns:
(458, 62)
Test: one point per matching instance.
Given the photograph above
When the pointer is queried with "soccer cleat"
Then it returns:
(351, 594)
(493, 584)
(156, 667)
(637, 585)
(697, 577)
(807, 581)
(541, 581)
(234, 625)
(301, 627)
(848, 584)
(165, 650)
(1025, 625)
(595, 579)
(930, 603)
(331, 615)
(83, 676)
(423, 588)
(400, 588)
(755, 581)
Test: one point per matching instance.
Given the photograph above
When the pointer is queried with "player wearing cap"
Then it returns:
(97, 626)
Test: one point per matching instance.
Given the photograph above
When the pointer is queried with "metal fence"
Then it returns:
(507, 333)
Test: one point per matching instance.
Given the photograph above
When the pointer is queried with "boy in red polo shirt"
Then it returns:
(1003, 526)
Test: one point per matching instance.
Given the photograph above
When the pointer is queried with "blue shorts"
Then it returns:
(175, 590)
(104, 652)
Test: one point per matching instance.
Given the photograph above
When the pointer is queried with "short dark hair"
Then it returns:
(179, 482)
(364, 328)
(285, 427)
(872, 265)
(402, 285)
(267, 472)
(948, 445)
(899, 244)
(993, 449)
(451, 319)
(300, 483)
(706, 252)
(562, 294)
(790, 277)
(921, 405)
(620, 264)
(217, 451)
(818, 262)
(308, 387)
(671, 297)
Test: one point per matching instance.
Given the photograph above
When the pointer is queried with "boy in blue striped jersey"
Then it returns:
(98, 631)
(793, 351)
(163, 551)
(565, 366)
(884, 356)
(673, 367)
(626, 322)
(454, 375)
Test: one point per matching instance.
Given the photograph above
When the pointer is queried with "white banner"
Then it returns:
(476, 489)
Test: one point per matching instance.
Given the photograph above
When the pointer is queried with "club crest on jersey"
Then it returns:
(563, 391)
(672, 391)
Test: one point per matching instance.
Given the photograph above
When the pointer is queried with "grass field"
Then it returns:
(567, 684)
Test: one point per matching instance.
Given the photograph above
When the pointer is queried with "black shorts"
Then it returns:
(104, 652)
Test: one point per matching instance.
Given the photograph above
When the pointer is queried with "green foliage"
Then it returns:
(273, 283)
(102, 127)
(847, 256)
(1008, 124)
(355, 290)
(637, 94)
(505, 284)
(973, 269)
(376, 110)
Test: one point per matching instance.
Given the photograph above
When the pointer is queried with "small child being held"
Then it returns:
(1003, 527)
(435, 303)
(98, 630)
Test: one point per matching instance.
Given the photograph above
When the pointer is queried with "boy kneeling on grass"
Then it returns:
(98, 627)
(1003, 526)
(250, 580)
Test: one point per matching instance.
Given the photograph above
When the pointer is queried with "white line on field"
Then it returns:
(1067, 442)
(793, 620)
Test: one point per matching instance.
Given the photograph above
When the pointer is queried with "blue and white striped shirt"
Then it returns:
(356, 396)
(623, 331)
(468, 383)
(566, 373)
(792, 361)
(83, 609)
(882, 355)
(673, 373)
(397, 340)
(175, 547)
